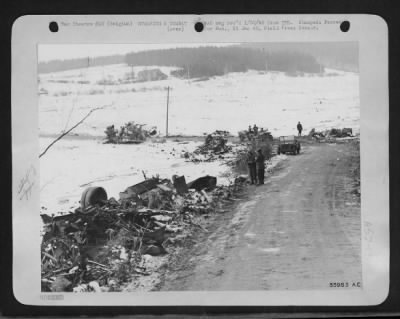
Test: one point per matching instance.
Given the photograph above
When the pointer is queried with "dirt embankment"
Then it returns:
(301, 230)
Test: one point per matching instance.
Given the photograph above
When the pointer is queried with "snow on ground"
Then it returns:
(71, 166)
(231, 102)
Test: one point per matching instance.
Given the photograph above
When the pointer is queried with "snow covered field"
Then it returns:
(231, 102)
(71, 166)
(271, 100)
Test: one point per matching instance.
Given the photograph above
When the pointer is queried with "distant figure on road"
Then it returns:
(250, 130)
(299, 128)
(251, 163)
(260, 167)
(255, 129)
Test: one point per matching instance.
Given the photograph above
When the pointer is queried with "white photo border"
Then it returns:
(369, 31)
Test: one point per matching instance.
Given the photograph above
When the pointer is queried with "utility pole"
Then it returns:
(167, 110)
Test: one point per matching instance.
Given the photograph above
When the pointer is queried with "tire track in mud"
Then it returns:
(301, 230)
(207, 257)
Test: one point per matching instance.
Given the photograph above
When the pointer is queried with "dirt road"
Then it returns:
(301, 230)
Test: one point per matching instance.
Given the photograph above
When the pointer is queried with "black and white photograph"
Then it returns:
(199, 167)
(240, 163)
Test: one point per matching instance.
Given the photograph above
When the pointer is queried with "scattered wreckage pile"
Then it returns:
(215, 147)
(332, 133)
(245, 135)
(131, 132)
(99, 247)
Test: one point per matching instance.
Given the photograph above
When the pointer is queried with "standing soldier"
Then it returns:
(251, 163)
(249, 133)
(299, 128)
(260, 167)
(255, 129)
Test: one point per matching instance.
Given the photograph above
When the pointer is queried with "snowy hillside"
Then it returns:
(231, 102)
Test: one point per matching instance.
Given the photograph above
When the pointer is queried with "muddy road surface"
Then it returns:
(301, 230)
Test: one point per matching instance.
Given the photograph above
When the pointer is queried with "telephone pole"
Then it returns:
(167, 111)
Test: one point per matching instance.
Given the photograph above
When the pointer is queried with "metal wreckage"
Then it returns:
(99, 247)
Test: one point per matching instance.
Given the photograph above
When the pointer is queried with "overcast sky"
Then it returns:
(47, 52)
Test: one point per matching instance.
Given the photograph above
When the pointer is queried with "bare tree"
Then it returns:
(69, 130)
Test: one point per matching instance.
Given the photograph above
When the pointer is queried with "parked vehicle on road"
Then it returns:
(288, 144)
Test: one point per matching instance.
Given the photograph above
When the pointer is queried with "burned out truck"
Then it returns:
(288, 144)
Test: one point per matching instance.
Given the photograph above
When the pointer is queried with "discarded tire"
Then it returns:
(93, 196)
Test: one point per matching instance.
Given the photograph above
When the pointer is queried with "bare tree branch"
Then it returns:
(73, 127)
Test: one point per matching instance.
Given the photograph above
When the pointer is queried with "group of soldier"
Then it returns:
(255, 160)
(255, 130)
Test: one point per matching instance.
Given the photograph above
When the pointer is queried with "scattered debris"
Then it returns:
(100, 246)
(205, 182)
(317, 135)
(180, 185)
(133, 191)
(92, 196)
(345, 132)
(332, 133)
(214, 147)
(262, 134)
(130, 133)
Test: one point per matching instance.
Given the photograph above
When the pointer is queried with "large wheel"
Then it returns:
(93, 196)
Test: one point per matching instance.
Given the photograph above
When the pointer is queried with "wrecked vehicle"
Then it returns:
(214, 147)
(262, 135)
(316, 135)
(102, 245)
(331, 133)
(130, 133)
(337, 132)
(288, 144)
